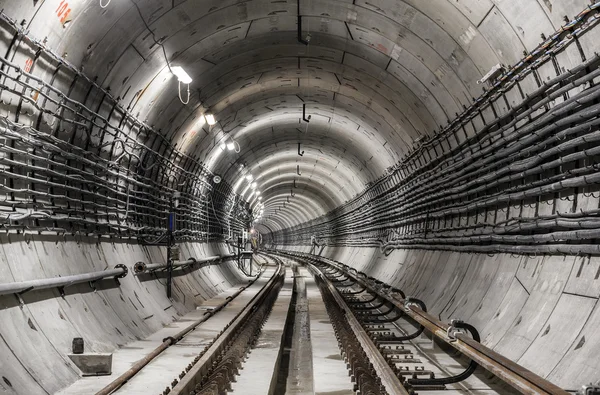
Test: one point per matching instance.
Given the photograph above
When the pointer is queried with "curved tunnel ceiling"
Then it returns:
(375, 76)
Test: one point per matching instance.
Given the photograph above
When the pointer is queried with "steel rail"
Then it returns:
(169, 341)
(202, 366)
(390, 381)
(515, 375)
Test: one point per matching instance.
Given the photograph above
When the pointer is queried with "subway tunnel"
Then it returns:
(273, 196)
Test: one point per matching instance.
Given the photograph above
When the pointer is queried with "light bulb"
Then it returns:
(210, 119)
(249, 177)
(254, 185)
(230, 146)
(181, 75)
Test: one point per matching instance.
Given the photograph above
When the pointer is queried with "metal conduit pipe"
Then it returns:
(594, 111)
(582, 80)
(117, 204)
(532, 190)
(557, 92)
(125, 144)
(141, 267)
(583, 177)
(119, 271)
(544, 167)
(462, 147)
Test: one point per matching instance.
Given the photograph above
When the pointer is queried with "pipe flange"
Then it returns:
(139, 267)
(125, 270)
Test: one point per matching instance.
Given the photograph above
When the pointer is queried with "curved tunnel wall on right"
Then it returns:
(494, 220)
(541, 312)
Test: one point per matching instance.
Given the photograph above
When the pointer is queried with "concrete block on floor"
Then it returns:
(93, 364)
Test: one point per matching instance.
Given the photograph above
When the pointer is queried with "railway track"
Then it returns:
(363, 305)
(379, 333)
(271, 286)
(216, 367)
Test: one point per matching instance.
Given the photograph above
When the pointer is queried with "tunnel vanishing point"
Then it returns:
(326, 197)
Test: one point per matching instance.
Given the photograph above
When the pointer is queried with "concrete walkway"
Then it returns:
(300, 372)
(161, 371)
(331, 374)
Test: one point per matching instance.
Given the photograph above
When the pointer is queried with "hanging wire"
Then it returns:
(188, 94)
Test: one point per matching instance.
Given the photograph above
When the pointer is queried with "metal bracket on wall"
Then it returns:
(304, 117)
(300, 39)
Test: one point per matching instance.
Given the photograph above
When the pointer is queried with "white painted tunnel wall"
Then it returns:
(36, 337)
(541, 312)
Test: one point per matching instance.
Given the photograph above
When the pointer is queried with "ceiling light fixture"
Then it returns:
(183, 78)
(181, 75)
(229, 144)
(210, 119)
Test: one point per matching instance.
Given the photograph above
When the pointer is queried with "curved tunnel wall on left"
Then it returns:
(36, 335)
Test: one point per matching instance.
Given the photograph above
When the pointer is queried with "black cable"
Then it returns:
(152, 33)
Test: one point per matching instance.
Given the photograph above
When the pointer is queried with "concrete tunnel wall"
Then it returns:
(36, 337)
(541, 312)
(389, 73)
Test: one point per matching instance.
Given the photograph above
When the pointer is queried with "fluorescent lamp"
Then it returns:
(181, 75)
(210, 119)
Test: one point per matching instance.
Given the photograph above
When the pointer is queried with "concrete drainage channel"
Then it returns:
(295, 373)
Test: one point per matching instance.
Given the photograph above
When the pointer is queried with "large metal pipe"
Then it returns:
(141, 267)
(119, 271)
